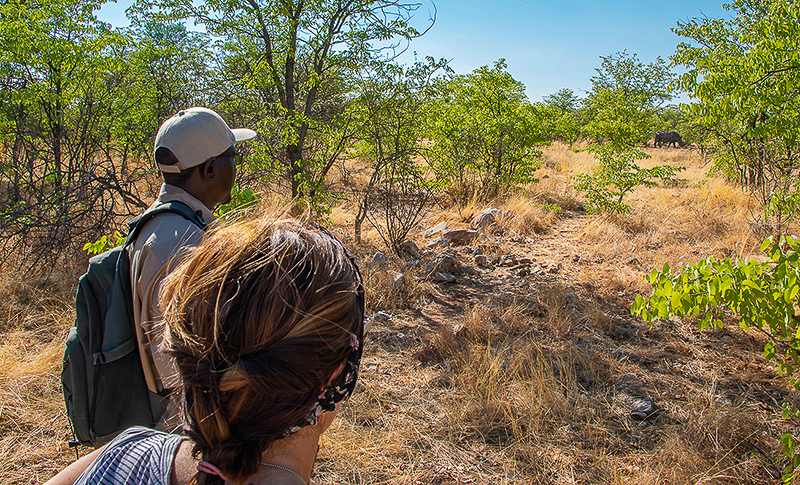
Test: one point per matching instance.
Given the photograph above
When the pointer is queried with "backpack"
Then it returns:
(102, 378)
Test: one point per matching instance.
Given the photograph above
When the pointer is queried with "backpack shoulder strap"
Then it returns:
(175, 207)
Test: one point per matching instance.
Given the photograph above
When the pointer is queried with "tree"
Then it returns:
(165, 68)
(625, 97)
(389, 112)
(744, 73)
(563, 111)
(483, 139)
(617, 174)
(296, 52)
(60, 78)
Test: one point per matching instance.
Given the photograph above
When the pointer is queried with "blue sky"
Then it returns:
(548, 45)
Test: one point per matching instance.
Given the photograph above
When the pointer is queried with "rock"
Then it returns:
(633, 261)
(482, 261)
(525, 271)
(508, 214)
(410, 250)
(439, 241)
(554, 268)
(443, 277)
(507, 260)
(538, 270)
(444, 263)
(379, 259)
(495, 260)
(487, 218)
(412, 263)
(524, 261)
(398, 279)
(576, 258)
(381, 317)
(458, 237)
(465, 249)
(435, 229)
(630, 394)
(518, 267)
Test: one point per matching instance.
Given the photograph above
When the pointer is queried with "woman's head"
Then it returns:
(261, 319)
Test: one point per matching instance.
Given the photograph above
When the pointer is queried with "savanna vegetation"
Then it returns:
(510, 357)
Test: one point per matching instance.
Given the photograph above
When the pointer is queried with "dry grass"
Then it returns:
(501, 377)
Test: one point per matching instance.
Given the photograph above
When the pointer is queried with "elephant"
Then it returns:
(668, 137)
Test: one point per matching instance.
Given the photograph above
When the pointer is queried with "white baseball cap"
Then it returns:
(194, 135)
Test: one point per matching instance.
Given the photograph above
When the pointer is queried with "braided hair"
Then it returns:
(258, 319)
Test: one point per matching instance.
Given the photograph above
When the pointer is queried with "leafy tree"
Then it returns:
(762, 295)
(483, 139)
(745, 74)
(165, 68)
(563, 111)
(625, 98)
(295, 53)
(617, 174)
(60, 76)
(389, 112)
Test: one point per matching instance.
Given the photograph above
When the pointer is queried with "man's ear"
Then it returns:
(210, 169)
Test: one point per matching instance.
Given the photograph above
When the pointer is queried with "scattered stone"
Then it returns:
(379, 259)
(458, 237)
(381, 317)
(487, 218)
(633, 261)
(538, 270)
(435, 229)
(507, 260)
(554, 268)
(525, 271)
(630, 394)
(524, 261)
(465, 249)
(495, 260)
(398, 279)
(412, 263)
(576, 258)
(445, 263)
(443, 277)
(410, 250)
(439, 241)
(518, 267)
(482, 261)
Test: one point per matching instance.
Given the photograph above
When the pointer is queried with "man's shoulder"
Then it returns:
(165, 235)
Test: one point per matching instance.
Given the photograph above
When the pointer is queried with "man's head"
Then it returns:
(196, 150)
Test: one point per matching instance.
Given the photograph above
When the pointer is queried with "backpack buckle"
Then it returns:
(98, 358)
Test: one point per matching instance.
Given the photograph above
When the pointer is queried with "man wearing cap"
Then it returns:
(196, 153)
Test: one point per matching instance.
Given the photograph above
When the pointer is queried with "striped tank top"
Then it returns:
(137, 456)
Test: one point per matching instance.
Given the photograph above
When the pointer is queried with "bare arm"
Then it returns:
(68, 475)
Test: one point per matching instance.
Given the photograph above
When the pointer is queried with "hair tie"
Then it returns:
(206, 467)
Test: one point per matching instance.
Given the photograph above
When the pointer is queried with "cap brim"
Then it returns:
(242, 134)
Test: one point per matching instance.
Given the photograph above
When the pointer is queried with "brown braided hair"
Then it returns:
(257, 319)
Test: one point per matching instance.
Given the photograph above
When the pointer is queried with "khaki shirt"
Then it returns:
(161, 239)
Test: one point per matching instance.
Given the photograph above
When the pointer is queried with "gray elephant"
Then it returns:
(668, 137)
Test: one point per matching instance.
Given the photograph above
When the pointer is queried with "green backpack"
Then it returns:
(104, 386)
